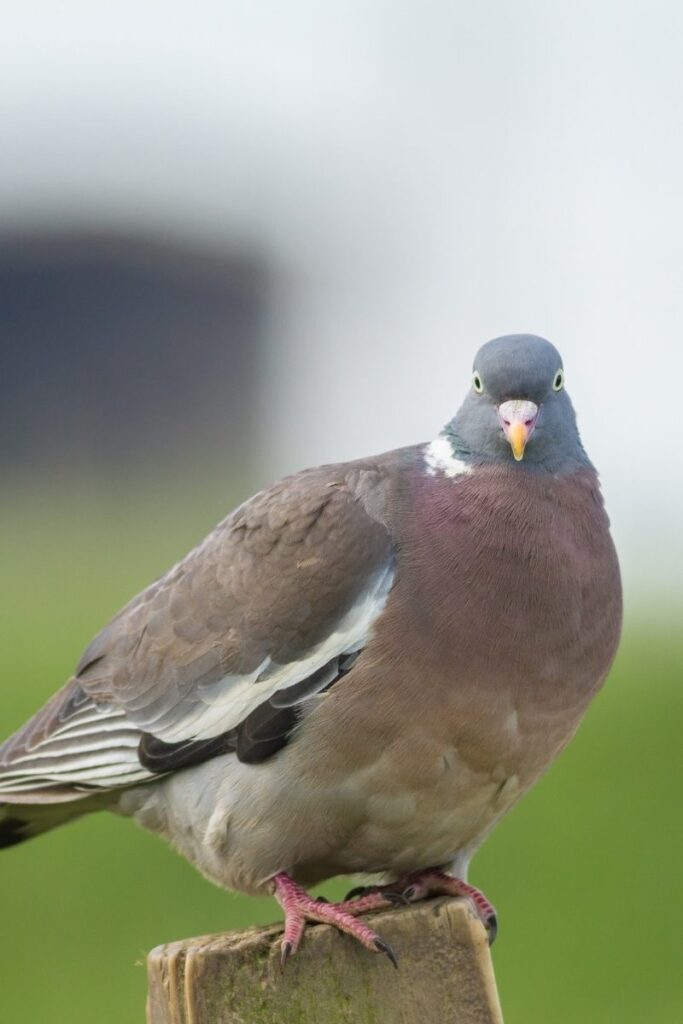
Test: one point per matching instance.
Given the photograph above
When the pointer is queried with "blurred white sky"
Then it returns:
(423, 176)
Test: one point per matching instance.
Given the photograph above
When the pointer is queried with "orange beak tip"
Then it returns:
(517, 436)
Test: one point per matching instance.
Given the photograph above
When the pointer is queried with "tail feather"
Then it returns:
(19, 822)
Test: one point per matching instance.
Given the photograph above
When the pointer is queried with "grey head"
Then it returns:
(517, 410)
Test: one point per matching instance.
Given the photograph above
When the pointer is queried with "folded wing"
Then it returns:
(223, 652)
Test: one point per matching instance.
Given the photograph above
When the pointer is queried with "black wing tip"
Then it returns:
(12, 832)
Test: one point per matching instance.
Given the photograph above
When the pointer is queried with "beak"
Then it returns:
(518, 419)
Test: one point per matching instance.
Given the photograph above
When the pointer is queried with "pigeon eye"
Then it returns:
(477, 384)
(558, 382)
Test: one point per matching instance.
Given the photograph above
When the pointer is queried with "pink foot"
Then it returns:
(435, 882)
(299, 908)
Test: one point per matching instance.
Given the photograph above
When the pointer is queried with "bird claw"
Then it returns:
(384, 947)
(359, 891)
(435, 882)
(397, 898)
(491, 925)
(300, 908)
(285, 952)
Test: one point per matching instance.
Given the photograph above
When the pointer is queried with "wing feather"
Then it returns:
(292, 579)
(222, 651)
(71, 742)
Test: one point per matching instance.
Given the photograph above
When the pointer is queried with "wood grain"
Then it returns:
(445, 975)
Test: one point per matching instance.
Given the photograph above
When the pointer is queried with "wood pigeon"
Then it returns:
(360, 670)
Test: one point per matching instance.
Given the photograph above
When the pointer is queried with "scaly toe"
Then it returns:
(299, 908)
(375, 900)
(436, 882)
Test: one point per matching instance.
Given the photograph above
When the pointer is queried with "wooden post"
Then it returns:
(445, 975)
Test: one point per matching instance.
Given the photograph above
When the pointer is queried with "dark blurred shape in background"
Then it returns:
(117, 350)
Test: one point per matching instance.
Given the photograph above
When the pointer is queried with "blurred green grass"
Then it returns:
(585, 872)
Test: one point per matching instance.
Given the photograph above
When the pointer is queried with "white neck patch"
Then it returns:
(439, 458)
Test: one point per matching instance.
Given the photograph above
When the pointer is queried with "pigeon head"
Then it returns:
(517, 409)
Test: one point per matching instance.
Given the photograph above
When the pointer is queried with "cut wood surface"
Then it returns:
(445, 974)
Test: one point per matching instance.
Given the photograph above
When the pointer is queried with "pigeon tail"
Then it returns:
(19, 822)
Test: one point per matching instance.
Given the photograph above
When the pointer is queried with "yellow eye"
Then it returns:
(477, 384)
(558, 382)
